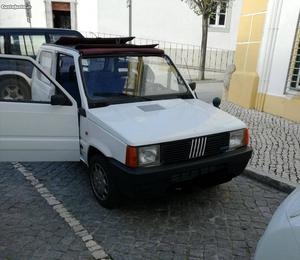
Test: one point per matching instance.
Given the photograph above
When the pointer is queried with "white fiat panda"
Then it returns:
(125, 111)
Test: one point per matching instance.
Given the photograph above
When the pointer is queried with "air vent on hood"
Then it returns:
(150, 108)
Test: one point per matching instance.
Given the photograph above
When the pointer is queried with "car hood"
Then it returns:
(161, 121)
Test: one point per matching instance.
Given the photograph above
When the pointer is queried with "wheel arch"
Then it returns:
(15, 74)
(92, 150)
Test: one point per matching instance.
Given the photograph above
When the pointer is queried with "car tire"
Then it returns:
(102, 183)
(14, 89)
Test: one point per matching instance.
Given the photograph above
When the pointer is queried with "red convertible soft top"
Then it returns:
(108, 46)
(124, 50)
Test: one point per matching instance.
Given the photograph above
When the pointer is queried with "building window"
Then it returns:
(218, 17)
(294, 71)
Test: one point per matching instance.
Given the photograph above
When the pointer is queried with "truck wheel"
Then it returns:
(14, 89)
(102, 182)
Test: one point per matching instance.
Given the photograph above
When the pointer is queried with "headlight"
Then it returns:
(143, 156)
(238, 139)
(149, 155)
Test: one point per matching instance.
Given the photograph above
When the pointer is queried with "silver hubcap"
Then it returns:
(100, 181)
(12, 92)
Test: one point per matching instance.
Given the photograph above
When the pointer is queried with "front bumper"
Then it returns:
(219, 168)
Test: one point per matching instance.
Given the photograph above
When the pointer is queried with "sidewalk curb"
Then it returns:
(253, 173)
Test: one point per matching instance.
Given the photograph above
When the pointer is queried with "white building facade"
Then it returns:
(168, 20)
(279, 61)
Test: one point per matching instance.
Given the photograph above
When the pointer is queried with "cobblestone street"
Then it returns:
(222, 222)
(30, 229)
(275, 142)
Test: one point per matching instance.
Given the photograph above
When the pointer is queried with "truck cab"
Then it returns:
(126, 112)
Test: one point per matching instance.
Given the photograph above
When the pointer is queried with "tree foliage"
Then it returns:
(204, 7)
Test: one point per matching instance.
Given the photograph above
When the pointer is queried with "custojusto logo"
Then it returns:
(15, 6)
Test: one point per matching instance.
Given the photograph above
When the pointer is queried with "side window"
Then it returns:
(2, 51)
(155, 72)
(15, 79)
(19, 82)
(66, 76)
(27, 45)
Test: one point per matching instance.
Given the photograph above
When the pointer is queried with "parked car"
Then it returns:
(281, 239)
(24, 41)
(126, 112)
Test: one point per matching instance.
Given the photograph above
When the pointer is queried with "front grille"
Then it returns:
(194, 148)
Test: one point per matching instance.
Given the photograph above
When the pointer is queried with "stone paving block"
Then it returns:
(99, 254)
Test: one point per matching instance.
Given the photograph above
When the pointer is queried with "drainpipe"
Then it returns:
(268, 47)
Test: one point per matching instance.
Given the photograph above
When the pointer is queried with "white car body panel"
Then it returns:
(281, 239)
(176, 119)
(105, 142)
(38, 131)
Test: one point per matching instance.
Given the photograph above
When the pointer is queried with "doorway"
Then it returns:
(61, 13)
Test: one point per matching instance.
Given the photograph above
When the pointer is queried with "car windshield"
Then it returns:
(130, 78)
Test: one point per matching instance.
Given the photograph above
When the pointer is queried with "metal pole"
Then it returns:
(129, 5)
(28, 11)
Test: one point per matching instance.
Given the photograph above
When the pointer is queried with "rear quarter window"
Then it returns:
(27, 45)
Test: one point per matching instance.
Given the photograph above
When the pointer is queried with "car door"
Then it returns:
(38, 128)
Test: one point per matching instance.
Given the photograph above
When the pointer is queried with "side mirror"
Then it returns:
(193, 85)
(216, 102)
(58, 100)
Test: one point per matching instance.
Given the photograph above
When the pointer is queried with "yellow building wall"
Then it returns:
(282, 106)
(244, 82)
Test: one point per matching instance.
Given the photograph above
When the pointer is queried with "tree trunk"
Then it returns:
(203, 46)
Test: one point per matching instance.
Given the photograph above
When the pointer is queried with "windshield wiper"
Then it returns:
(110, 94)
(121, 95)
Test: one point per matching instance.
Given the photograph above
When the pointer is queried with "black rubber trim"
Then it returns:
(157, 178)
(235, 157)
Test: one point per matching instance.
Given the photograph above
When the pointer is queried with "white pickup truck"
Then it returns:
(126, 112)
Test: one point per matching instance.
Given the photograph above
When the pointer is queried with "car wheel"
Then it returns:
(14, 89)
(102, 182)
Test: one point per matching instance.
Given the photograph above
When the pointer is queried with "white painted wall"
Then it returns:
(87, 15)
(13, 18)
(38, 13)
(168, 20)
(113, 17)
(283, 48)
